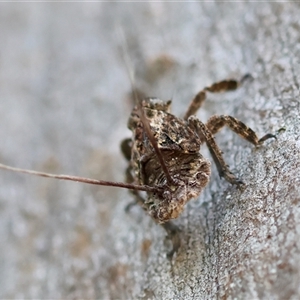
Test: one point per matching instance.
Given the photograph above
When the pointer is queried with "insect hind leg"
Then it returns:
(218, 87)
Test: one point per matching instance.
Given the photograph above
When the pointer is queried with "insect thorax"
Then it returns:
(180, 147)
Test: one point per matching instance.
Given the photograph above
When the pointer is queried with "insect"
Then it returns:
(164, 155)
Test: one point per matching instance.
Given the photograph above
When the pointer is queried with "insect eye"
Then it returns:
(198, 176)
(149, 113)
(201, 176)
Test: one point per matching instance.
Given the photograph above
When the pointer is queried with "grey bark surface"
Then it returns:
(64, 108)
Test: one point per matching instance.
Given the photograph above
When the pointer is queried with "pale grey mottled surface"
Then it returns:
(64, 109)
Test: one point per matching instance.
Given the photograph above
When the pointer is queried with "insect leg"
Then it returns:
(218, 87)
(205, 135)
(126, 148)
(215, 123)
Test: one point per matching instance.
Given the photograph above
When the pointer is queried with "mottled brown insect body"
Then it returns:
(164, 152)
(180, 148)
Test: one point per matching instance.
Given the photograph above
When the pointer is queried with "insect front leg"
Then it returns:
(218, 87)
(126, 146)
(215, 123)
(206, 136)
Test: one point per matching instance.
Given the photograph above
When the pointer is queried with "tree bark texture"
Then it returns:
(64, 98)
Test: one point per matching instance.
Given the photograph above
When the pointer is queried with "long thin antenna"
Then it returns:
(140, 109)
(144, 188)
